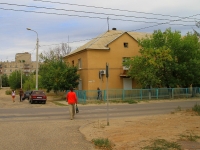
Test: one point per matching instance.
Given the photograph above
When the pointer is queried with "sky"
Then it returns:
(78, 21)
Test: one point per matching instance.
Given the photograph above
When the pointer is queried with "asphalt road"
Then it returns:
(94, 112)
(49, 128)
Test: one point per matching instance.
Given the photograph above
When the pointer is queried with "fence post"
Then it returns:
(157, 93)
(150, 93)
(123, 94)
(105, 95)
(84, 96)
(172, 93)
(141, 94)
(187, 92)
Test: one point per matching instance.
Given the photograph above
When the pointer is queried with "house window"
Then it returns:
(124, 59)
(79, 64)
(72, 62)
(126, 45)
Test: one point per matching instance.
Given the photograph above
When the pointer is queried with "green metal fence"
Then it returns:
(137, 94)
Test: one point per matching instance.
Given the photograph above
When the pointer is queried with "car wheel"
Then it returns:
(44, 102)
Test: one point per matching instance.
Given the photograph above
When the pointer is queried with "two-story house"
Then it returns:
(112, 47)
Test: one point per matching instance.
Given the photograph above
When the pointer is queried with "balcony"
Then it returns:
(125, 68)
(26, 70)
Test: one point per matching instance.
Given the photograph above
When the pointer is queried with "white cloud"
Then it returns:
(55, 29)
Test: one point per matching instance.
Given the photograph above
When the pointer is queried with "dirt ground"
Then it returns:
(136, 132)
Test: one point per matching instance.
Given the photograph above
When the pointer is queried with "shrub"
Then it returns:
(196, 108)
(102, 143)
(8, 92)
(161, 144)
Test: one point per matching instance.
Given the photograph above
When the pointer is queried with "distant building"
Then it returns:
(22, 63)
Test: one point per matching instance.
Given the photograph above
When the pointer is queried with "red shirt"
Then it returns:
(71, 97)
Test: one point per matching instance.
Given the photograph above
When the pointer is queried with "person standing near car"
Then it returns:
(71, 98)
(13, 96)
(21, 93)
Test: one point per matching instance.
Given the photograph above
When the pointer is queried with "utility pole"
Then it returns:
(107, 75)
(108, 23)
(1, 80)
(37, 44)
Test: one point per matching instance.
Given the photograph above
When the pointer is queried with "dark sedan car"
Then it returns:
(26, 95)
(37, 96)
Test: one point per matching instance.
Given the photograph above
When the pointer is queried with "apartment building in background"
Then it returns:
(112, 47)
(22, 63)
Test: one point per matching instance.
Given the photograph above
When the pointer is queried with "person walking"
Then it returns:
(71, 98)
(99, 95)
(21, 93)
(13, 95)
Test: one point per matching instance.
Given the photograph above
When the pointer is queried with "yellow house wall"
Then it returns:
(83, 72)
(95, 60)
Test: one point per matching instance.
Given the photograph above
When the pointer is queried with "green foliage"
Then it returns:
(102, 143)
(189, 137)
(5, 80)
(56, 75)
(15, 80)
(30, 82)
(196, 108)
(161, 144)
(124, 101)
(167, 60)
(8, 92)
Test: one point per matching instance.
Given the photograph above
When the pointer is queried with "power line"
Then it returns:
(127, 31)
(111, 9)
(105, 18)
(90, 16)
(91, 12)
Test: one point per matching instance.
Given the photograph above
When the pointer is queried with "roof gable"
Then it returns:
(102, 41)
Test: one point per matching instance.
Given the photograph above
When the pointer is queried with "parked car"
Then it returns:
(37, 96)
(26, 95)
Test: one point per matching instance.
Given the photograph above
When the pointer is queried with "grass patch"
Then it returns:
(196, 108)
(176, 110)
(124, 101)
(161, 144)
(59, 104)
(190, 137)
(8, 92)
(102, 143)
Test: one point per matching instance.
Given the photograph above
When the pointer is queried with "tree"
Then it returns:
(56, 52)
(198, 25)
(4, 79)
(55, 74)
(30, 82)
(15, 79)
(167, 59)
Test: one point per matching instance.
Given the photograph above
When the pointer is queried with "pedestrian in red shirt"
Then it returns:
(71, 98)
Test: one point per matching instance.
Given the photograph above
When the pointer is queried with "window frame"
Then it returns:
(79, 63)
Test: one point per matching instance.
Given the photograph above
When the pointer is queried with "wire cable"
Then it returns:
(109, 8)
(90, 12)
(90, 16)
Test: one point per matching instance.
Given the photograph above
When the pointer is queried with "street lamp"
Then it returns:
(36, 85)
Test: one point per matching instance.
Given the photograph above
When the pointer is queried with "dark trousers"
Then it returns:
(99, 96)
(20, 96)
